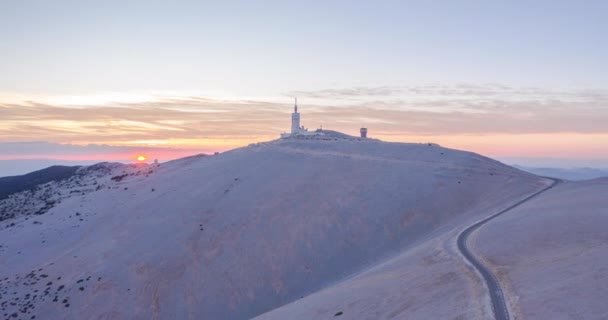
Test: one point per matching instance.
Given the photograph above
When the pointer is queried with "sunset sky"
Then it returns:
(106, 80)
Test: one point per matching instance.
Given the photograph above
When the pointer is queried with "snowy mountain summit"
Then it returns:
(236, 235)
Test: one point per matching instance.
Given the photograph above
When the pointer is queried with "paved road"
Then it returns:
(496, 295)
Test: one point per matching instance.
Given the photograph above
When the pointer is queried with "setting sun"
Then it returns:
(141, 158)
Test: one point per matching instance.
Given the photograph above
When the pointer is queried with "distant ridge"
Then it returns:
(573, 174)
(14, 184)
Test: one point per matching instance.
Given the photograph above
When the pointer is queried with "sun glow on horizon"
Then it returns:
(141, 158)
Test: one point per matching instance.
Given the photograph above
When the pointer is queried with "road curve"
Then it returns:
(496, 295)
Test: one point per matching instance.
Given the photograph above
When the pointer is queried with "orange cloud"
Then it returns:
(491, 119)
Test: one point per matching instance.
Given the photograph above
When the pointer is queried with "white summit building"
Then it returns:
(296, 128)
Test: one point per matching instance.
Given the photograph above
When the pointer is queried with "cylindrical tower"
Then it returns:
(363, 132)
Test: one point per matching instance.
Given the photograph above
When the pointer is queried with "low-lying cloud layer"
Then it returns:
(48, 150)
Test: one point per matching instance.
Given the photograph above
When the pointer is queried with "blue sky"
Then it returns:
(264, 48)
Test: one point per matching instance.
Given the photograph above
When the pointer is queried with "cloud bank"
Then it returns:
(447, 113)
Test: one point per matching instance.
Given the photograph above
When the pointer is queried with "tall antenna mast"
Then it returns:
(296, 105)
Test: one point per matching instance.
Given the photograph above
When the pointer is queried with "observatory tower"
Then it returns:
(296, 128)
(295, 119)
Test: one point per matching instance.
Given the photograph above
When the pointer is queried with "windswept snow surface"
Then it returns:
(551, 254)
(238, 234)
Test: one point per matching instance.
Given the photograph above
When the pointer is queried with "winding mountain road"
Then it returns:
(496, 295)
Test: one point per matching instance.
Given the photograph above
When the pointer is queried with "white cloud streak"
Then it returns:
(422, 110)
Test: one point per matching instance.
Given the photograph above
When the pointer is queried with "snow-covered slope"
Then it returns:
(42, 197)
(551, 254)
(235, 235)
